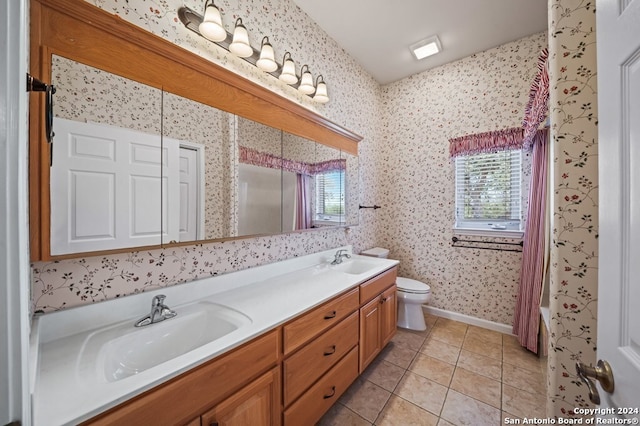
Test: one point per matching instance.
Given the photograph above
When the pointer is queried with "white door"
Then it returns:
(189, 182)
(618, 32)
(105, 188)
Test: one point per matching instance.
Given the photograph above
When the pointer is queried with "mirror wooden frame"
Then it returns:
(85, 33)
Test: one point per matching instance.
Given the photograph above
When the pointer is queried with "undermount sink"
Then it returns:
(355, 266)
(124, 350)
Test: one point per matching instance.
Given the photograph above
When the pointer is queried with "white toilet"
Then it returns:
(412, 294)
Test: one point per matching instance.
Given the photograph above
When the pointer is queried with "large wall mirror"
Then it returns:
(143, 158)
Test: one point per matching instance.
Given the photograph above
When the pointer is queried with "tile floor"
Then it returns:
(450, 374)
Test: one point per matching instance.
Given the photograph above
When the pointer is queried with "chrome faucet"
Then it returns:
(340, 254)
(159, 312)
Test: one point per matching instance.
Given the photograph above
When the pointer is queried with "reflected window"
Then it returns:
(329, 206)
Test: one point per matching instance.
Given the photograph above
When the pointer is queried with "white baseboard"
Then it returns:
(496, 326)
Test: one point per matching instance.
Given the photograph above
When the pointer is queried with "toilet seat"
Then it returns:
(407, 285)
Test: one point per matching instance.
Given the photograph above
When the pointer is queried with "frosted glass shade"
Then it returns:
(321, 93)
(288, 74)
(306, 83)
(240, 45)
(267, 61)
(211, 26)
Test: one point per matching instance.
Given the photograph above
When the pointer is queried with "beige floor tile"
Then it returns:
(406, 339)
(480, 364)
(365, 399)
(451, 336)
(517, 355)
(430, 320)
(510, 419)
(384, 374)
(401, 412)
(527, 380)
(441, 350)
(510, 340)
(482, 347)
(476, 386)
(522, 404)
(397, 355)
(339, 415)
(431, 368)
(443, 422)
(463, 410)
(451, 324)
(422, 392)
(484, 334)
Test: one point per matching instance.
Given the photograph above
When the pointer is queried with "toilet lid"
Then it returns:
(412, 286)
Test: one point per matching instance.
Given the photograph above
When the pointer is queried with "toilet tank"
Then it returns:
(376, 252)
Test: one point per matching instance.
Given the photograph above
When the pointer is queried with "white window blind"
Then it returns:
(330, 196)
(488, 191)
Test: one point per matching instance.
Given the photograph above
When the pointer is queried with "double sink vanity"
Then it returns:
(274, 344)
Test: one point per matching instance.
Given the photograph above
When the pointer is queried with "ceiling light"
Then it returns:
(267, 61)
(240, 45)
(427, 47)
(211, 25)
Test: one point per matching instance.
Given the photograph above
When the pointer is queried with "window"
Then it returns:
(488, 194)
(329, 197)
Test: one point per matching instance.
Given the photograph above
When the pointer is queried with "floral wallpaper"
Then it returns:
(486, 91)
(354, 104)
(574, 251)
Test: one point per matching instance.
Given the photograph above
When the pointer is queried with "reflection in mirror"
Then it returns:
(328, 187)
(105, 186)
(259, 179)
(297, 176)
(197, 175)
(351, 192)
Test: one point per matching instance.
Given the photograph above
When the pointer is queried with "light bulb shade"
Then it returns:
(240, 45)
(306, 83)
(211, 26)
(288, 74)
(267, 61)
(321, 93)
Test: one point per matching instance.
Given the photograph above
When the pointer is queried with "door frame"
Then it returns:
(200, 151)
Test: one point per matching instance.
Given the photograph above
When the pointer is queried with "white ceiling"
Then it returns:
(378, 33)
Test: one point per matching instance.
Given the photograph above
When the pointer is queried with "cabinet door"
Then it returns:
(257, 404)
(370, 341)
(388, 314)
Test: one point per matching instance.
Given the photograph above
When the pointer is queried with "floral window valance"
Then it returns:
(537, 108)
(498, 140)
(263, 159)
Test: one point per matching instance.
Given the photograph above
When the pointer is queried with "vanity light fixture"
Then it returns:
(321, 91)
(427, 47)
(288, 74)
(267, 61)
(210, 27)
(306, 81)
(240, 45)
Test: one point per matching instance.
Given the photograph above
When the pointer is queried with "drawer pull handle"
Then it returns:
(333, 392)
(332, 351)
(330, 315)
(384, 299)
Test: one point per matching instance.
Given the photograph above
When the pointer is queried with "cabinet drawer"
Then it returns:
(316, 401)
(190, 394)
(312, 361)
(309, 325)
(376, 285)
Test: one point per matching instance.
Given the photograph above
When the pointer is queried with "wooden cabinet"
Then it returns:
(257, 404)
(189, 395)
(378, 316)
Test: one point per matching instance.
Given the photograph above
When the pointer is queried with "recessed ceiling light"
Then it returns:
(427, 47)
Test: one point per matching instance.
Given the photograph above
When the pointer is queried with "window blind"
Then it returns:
(488, 190)
(330, 195)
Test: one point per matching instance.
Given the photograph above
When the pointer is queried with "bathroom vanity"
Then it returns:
(275, 344)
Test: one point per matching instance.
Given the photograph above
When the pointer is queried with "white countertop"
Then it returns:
(67, 391)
